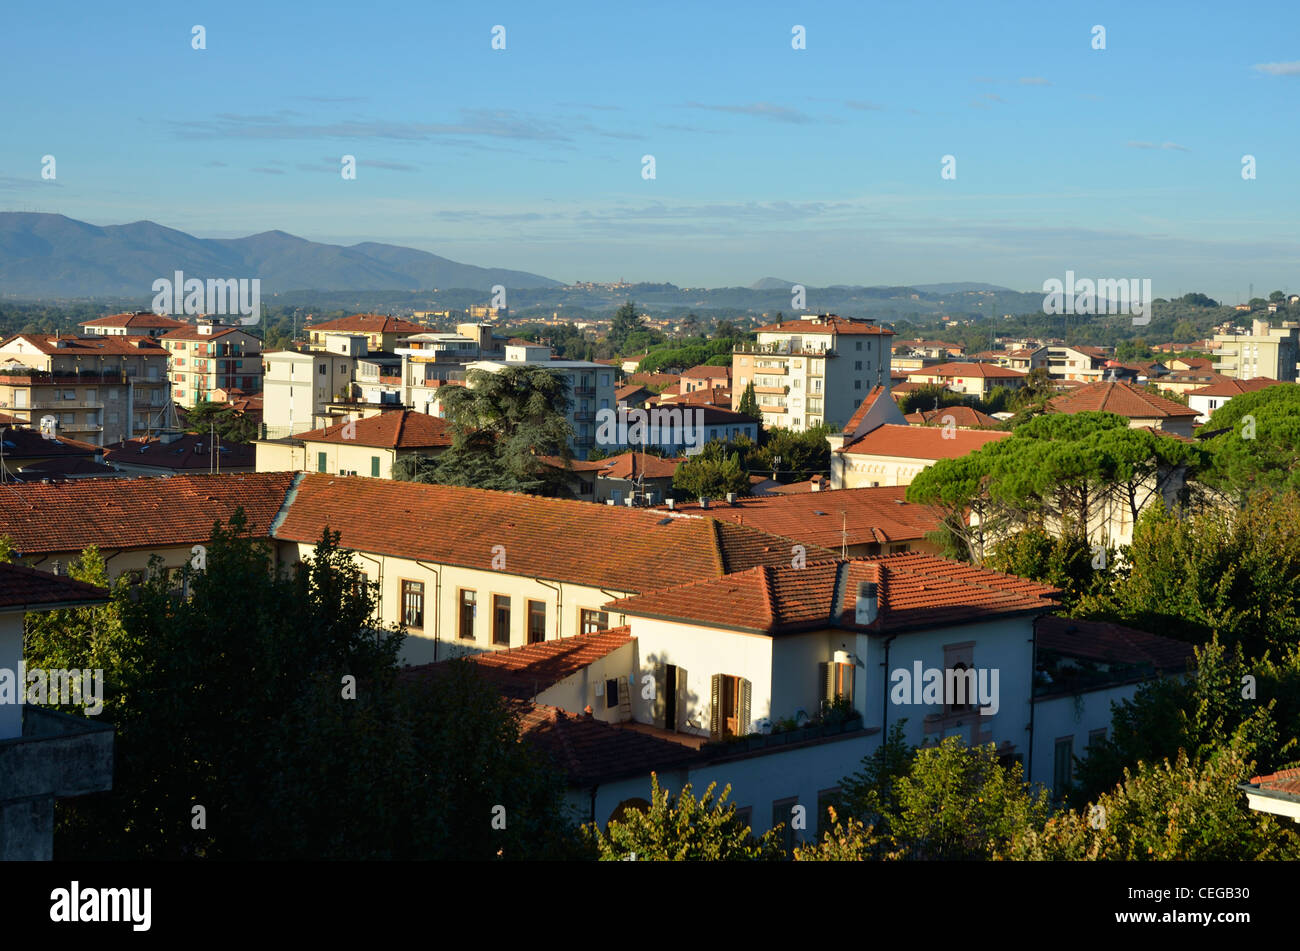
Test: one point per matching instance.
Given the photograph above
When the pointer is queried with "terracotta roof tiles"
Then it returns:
(1123, 399)
(921, 442)
(24, 588)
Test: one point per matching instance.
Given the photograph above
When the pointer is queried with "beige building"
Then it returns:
(973, 379)
(811, 371)
(209, 357)
(1265, 351)
(368, 446)
(381, 333)
(86, 387)
(1077, 363)
(139, 324)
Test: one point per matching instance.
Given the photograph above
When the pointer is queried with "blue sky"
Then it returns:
(819, 165)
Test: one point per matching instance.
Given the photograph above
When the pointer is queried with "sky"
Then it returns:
(820, 165)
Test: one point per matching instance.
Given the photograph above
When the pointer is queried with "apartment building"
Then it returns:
(87, 387)
(1023, 359)
(370, 446)
(209, 357)
(1265, 351)
(298, 385)
(973, 379)
(138, 324)
(1142, 408)
(431, 361)
(591, 387)
(381, 333)
(1209, 398)
(1077, 363)
(813, 370)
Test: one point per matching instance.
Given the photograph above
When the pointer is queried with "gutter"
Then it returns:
(884, 711)
(437, 604)
(559, 611)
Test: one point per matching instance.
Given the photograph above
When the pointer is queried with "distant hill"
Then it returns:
(45, 255)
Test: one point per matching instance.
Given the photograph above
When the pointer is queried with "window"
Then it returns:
(322, 369)
(859, 344)
(835, 680)
(611, 694)
(729, 714)
(783, 816)
(468, 608)
(322, 464)
(536, 621)
(500, 619)
(1096, 737)
(592, 621)
(963, 692)
(413, 604)
(857, 384)
(1063, 767)
(857, 364)
(374, 466)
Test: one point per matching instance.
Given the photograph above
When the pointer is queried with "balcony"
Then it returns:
(771, 409)
(82, 428)
(67, 404)
(783, 350)
(777, 390)
(584, 415)
(587, 391)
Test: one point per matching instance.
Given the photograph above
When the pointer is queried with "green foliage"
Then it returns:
(683, 829)
(847, 840)
(1063, 561)
(959, 802)
(1185, 810)
(228, 700)
(871, 794)
(501, 424)
(1199, 714)
(1262, 452)
(803, 454)
(231, 426)
(749, 402)
(686, 354)
(1225, 572)
(710, 477)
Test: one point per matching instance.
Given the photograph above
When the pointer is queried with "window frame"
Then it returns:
(407, 584)
(496, 639)
(461, 604)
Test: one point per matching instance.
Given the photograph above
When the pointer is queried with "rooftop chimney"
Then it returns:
(704, 502)
(867, 606)
(731, 498)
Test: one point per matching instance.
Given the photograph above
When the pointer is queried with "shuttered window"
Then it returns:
(835, 680)
(729, 706)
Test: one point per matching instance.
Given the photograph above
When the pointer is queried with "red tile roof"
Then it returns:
(825, 518)
(708, 373)
(368, 324)
(397, 429)
(129, 345)
(1123, 399)
(28, 589)
(623, 549)
(1108, 643)
(1230, 387)
(915, 591)
(143, 319)
(193, 333)
(654, 379)
(524, 672)
(24, 443)
(136, 513)
(591, 751)
(921, 442)
(963, 416)
(1285, 781)
(985, 370)
(863, 408)
(826, 324)
(629, 465)
(190, 451)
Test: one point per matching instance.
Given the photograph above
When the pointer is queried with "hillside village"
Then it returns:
(759, 571)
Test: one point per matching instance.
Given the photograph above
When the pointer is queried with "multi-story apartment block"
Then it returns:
(1265, 351)
(1077, 363)
(139, 324)
(813, 370)
(591, 388)
(381, 333)
(298, 385)
(208, 357)
(86, 387)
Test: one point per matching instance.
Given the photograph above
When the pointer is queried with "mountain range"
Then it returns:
(44, 255)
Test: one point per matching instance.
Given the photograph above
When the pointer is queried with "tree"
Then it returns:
(847, 840)
(683, 829)
(1066, 561)
(231, 426)
(749, 402)
(1184, 810)
(711, 477)
(959, 802)
(626, 322)
(1258, 443)
(690, 325)
(240, 697)
(502, 423)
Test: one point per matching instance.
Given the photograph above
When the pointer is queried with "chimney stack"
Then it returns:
(867, 607)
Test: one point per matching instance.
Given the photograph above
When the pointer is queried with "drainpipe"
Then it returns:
(559, 608)
(593, 804)
(437, 604)
(884, 712)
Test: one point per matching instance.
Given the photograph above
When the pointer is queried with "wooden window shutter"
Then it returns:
(743, 717)
(658, 708)
(715, 706)
(824, 684)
